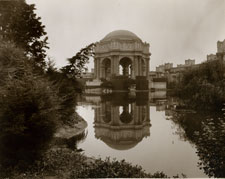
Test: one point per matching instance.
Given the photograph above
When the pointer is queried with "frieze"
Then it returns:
(122, 46)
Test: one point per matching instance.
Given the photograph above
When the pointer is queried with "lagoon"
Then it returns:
(156, 142)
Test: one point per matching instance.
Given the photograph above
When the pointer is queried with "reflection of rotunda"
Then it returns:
(122, 127)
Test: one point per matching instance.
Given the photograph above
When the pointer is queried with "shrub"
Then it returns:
(203, 87)
(28, 110)
(114, 169)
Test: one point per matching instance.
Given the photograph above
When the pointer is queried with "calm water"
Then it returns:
(145, 130)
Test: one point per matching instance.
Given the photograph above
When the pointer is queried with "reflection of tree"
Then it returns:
(207, 132)
(211, 147)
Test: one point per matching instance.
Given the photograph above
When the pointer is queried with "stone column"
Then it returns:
(102, 70)
(147, 68)
(133, 111)
(136, 72)
(125, 70)
(96, 115)
(96, 70)
(136, 115)
(112, 114)
(139, 66)
(116, 114)
(147, 112)
(132, 71)
(143, 67)
(112, 65)
(116, 65)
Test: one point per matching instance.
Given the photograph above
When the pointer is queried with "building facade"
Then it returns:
(220, 55)
(121, 53)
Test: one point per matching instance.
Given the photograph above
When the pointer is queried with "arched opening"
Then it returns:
(107, 112)
(125, 114)
(125, 67)
(106, 69)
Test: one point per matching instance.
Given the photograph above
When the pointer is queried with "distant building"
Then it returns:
(163, 68)
(211, 57)
(220, 55)
(221, 50)
(172, 74)
(158, 83)
(221, 46)
(189, 62)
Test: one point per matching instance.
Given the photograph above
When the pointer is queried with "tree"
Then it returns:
(20, 25)
(77, 63)
(30, 110)
(203, 87)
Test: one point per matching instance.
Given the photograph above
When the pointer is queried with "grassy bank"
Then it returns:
(65, 163)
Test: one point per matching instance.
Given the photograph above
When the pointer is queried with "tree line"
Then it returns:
(203, 87)
(35, 96)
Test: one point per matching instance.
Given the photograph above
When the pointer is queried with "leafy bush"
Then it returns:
(29, 110)
(67, 91)
(114, 169)
(203, 87)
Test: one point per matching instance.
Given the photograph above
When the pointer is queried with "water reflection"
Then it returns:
(207, 132)
(121, 122)
(70, 143)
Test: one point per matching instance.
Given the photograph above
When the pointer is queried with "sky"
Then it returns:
(175, 29)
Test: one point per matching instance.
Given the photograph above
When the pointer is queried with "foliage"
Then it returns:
(115, 169)
(203, 87)
(211, 148)
(25, 102)
(55, 162)
(64, 163)
(20, 25)
(67, 91)
(29, 110)
(77, 63)
(12, 62)
(207, 133)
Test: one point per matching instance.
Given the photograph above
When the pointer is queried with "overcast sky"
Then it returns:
(175, 29)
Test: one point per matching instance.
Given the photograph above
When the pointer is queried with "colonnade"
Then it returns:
(105, 68)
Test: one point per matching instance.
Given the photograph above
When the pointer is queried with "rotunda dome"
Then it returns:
(121, 35)
(120, 145)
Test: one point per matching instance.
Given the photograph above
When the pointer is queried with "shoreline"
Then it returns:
(74, 127)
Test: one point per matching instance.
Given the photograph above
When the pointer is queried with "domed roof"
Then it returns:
(120, 145)
(121, 34)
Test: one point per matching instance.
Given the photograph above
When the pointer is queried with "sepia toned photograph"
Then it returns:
(112, 89)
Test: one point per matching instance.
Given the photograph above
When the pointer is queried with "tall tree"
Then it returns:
(203, 87)
(77, 63)
(20, 25)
